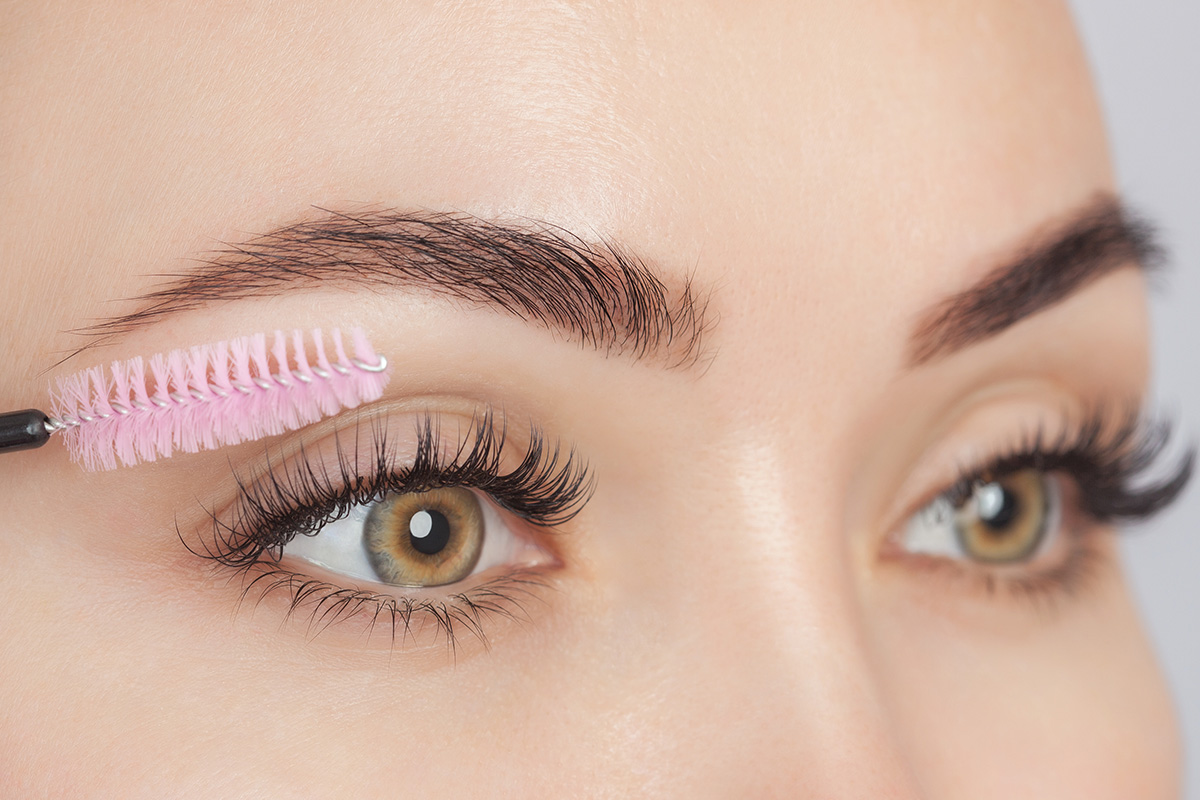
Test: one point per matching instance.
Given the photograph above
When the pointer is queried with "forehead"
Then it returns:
(797, 154)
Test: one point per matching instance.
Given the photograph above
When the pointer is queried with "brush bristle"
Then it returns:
(211, 396)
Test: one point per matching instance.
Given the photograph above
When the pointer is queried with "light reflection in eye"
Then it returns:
(1007, 520)
(430, 538)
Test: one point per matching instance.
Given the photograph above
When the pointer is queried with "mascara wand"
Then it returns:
(200, 399)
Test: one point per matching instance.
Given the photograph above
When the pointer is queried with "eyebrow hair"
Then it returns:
(593, 293)
(1096, 240)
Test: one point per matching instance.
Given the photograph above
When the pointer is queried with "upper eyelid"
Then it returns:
(1002, 428)
(560, 488)
(1123, 450)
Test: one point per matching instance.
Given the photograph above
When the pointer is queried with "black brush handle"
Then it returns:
(23, 430)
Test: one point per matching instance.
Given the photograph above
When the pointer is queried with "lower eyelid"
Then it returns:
(401, 620)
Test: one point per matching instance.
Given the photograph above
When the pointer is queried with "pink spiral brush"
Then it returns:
(201, 398)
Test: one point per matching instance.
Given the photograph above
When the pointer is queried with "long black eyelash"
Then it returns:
(548, 487)
(1108, 462)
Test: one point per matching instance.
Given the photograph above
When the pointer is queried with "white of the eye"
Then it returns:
(420, 524)
(339, 546)
(931, 530)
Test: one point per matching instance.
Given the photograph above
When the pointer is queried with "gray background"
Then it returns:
(1145, 56)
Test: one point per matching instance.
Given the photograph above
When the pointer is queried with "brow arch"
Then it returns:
(595, 293)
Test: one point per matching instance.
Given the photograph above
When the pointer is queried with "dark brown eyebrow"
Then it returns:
(593, 293)
(1093, 242)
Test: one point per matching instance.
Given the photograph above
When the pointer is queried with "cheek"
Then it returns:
(1067, 703)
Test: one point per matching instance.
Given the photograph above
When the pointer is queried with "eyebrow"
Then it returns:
(594, 293)
(1094, 241)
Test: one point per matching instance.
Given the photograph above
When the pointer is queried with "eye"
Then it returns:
(415, 539)
(1006, 520)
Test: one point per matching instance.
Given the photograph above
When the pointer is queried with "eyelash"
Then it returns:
(1107, 469)
(547, 488)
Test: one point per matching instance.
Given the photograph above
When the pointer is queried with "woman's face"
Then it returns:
(752, 601)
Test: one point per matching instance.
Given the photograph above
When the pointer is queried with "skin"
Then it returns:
(721, 620)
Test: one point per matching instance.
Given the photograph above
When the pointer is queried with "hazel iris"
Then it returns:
(1004, 520)
(426, 538)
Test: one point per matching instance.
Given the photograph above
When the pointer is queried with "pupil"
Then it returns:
(429, 531)
(999, 508)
